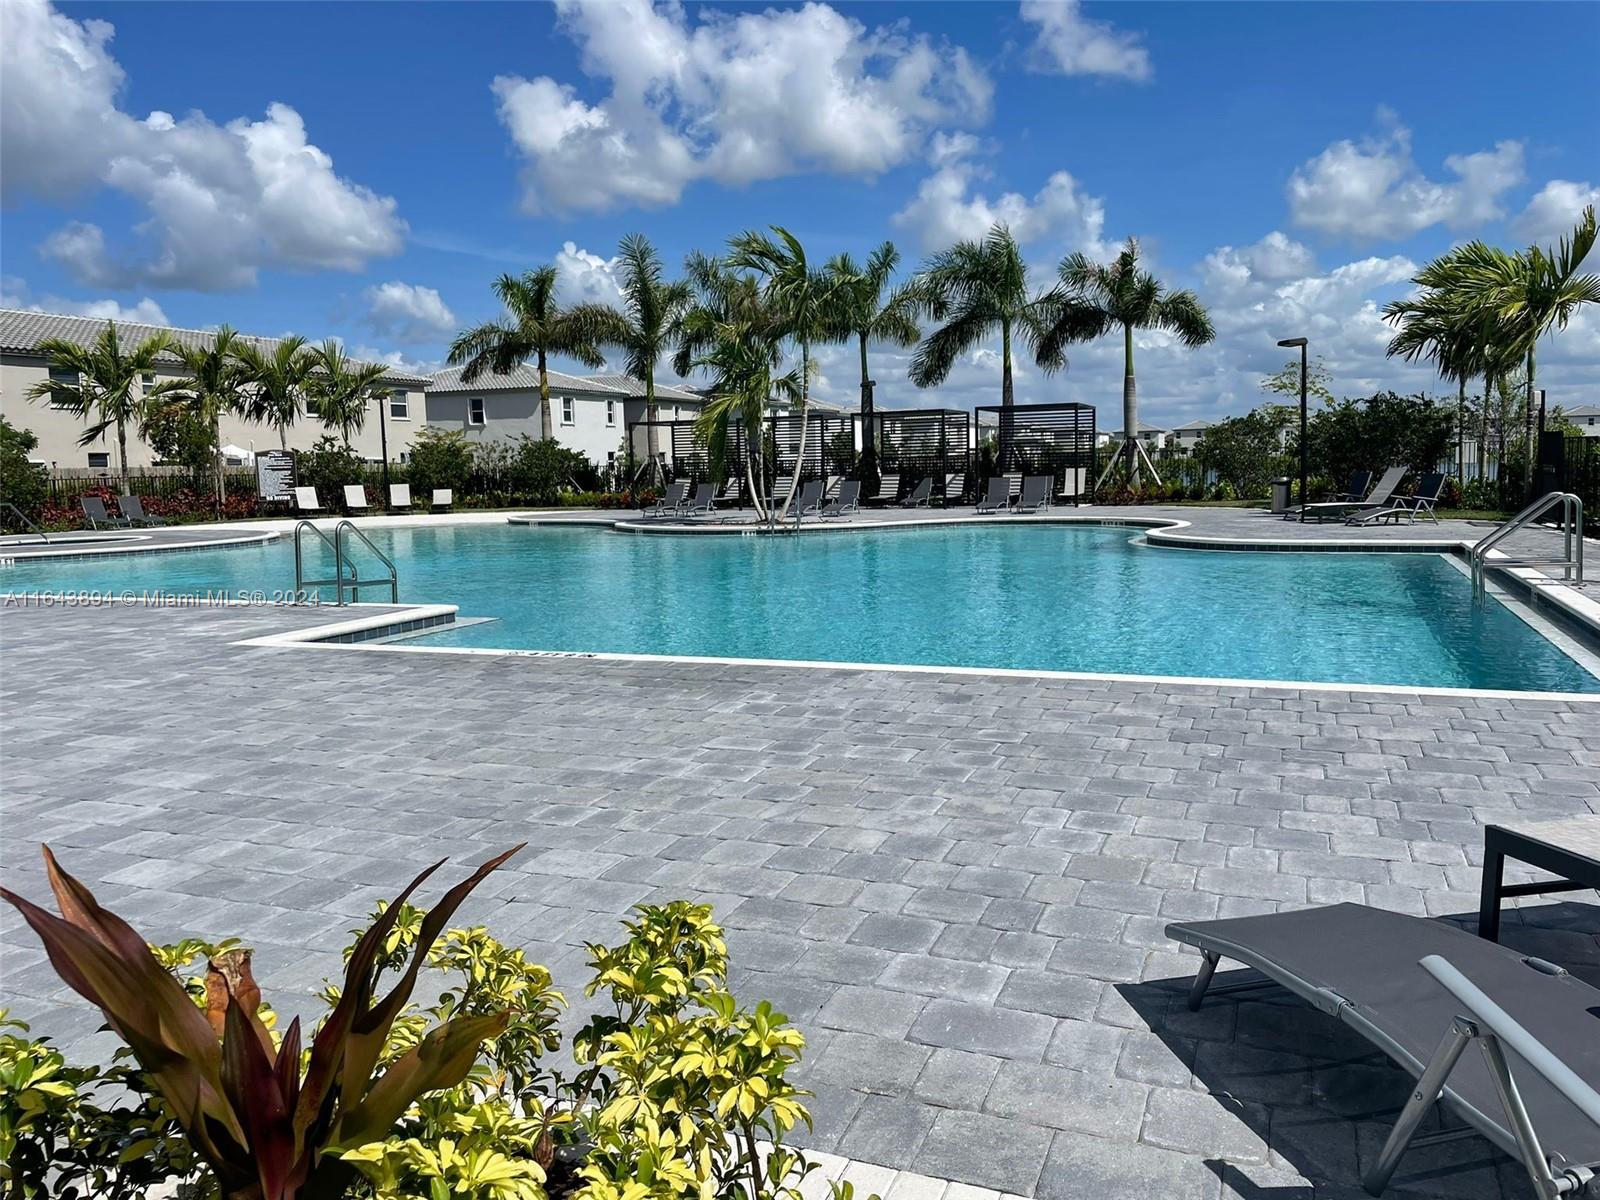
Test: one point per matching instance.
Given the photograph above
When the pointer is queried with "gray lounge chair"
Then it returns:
(847, 501)
(920, 496)
(705, 500)
(670, 501)
(1035, 494)
(1360, 485)
(133, 509)
(996, 495)
(888, 489)
(94, 511)
(1420, 991)
(809, 500)
(1338, 510)
(1420, 501)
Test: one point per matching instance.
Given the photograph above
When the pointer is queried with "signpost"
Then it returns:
(275, 475)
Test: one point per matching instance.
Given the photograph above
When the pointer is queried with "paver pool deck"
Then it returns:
(956, 884)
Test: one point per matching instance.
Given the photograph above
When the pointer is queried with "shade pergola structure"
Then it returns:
(687, 456)
(924, 443)
(830, 447)
(1043, 439)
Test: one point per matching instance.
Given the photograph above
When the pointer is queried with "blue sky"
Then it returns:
(364, 170)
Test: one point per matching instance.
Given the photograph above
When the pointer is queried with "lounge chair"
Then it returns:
(809, 500)
(955, 483)
(443, 498)
(996, 495)
(94, 511)
(705, 500)
(1360, 484)
(888, 489)
(1419, 991)
(1421, 501)
(920, 496)
(133, 509)
(307, 500)
(847, 501)
(1378, 497)
(670, 501)
(399, 497)
(1035, 494)
(355, 497)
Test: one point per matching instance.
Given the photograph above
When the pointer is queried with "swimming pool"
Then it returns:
(1040, 597)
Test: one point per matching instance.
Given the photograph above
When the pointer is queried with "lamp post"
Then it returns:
(383, 440)
(1290, 343)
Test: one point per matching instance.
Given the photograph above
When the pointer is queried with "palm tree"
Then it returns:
(1435, 327)
(107, 388)
(642, 330)
(977, 289)
(1094, 298)
(342, 388)
(865, 313)
(278, 383)
(216, 384)
(803, 300)
(535, 326)
(1535, 292)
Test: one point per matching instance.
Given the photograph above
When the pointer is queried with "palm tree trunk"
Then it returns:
(216, 453)
(122, 455)
(805, 423)
(868, 472)
(283, 437)
(547, 424)
(1130, 407)
(1006, 394)
(1461, 433)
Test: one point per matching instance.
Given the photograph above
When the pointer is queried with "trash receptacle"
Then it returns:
(1280, 495)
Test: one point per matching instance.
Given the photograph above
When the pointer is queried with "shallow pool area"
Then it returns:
(1037, 597)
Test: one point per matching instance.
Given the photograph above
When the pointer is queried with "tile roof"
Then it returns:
(21, 330)
(629, 386)
(526, 378)
(1197, 423)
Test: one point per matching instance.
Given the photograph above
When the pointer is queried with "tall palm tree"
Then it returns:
(1535, 292)
(1435, 327)
(804, 300)
(278, 383)
(216, 384)
(867, 314)
(342, 388)
(107, 388)
(535, 326)
(642, 329)
(1093, 299)
(977, 289)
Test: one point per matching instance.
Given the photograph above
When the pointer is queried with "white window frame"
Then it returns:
(611, 413)
(569, 411)
(403, 399)
(61, 375)
(477, 412)
(99, 466)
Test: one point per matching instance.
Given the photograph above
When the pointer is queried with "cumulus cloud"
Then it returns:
(1374, 190)
(1554, 211)
(1070, 43)
(731, 97)
(222, 201)
(14, 294)
(408, 312)
(948, 207)
(1275, 257)
(586, 278)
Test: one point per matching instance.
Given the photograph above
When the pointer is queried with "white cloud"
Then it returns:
(586, 278)
(14, 294)
(408, 312)
(1072, 44)
(396, 359)
(947, 208)
(1553, 213)
(1275, 257)
(1375, 190)
(223, 201)
(730, 97)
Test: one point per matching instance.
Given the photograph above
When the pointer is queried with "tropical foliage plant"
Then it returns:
(23, 482)
(277, 382)
(440, 458)
(214, 384)
(340, 389)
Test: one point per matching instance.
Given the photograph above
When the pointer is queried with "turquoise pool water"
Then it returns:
(1042, 597)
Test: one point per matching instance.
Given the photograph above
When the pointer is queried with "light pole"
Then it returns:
(383, 441)
(1290, 343)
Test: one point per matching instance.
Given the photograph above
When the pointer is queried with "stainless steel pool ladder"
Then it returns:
(341, 580)
(25, 519)
(1571, 558)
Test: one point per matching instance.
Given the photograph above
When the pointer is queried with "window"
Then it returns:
(475, 411)
(100, 461)
(674, 412)
(611, 412)
(569, 410)
(147, 380)
(399, 406)
(66, 379)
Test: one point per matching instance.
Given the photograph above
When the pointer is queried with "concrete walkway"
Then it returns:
(957, 885)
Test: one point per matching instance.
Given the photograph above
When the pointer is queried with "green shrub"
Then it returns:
(329, 466)
(22, 483)
(440, 458)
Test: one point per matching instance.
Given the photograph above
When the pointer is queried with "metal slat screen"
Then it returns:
(1040, 439)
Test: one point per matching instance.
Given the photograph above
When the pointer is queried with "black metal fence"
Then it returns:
(1039, 439)
(914, 444)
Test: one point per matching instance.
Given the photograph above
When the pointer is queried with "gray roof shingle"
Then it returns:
(21, 330)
